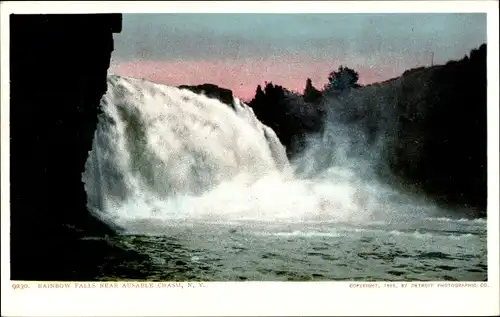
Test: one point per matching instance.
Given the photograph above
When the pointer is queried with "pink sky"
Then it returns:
(243, 76)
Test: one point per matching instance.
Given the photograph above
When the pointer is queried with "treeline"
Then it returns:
(292, 115)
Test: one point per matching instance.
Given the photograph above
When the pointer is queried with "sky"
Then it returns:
(241, 51)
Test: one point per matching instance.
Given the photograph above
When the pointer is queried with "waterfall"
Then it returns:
(157, 143)
(163, 154)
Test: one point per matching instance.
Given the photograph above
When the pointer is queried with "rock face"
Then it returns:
(58, 70)
(212, 91)
(452, 163)
(433, 121)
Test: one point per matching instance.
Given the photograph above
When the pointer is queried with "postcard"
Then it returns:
(253, 158)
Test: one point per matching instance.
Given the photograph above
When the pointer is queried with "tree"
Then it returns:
(259, 94)
(342, 79)
(311, 94)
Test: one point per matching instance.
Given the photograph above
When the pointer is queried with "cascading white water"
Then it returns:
(155, 144)
(161, 154)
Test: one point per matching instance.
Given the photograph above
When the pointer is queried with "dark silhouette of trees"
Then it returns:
(311, 94)
(269, 105)
(285, 113)
(259, 94)
(342, 79)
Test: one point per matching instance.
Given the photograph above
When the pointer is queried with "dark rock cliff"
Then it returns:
(212, 91)
(451, 118)
(433, 122)
(58, 70)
